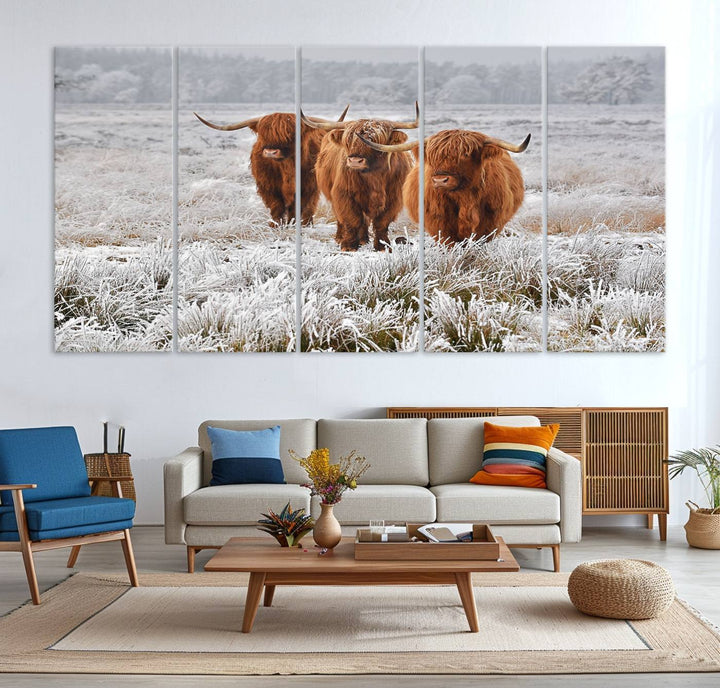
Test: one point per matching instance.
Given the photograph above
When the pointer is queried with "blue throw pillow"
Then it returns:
(241, 457)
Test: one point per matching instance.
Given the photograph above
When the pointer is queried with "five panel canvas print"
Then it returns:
(505, 261)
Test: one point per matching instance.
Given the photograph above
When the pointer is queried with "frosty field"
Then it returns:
(237, 277)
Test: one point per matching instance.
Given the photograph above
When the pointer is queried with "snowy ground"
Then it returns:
(606, 226)
(237, 276)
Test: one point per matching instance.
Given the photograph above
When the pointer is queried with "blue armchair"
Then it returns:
(45, 500)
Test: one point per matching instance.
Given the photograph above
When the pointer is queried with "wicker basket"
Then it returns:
(108, 466)
(703, 527)
(621, 589)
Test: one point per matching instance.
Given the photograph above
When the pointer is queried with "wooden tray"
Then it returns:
(483, 547)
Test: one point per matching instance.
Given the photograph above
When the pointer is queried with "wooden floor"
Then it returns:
(696, 574)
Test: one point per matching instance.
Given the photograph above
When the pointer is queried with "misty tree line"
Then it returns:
(113, 75)
(117, 75)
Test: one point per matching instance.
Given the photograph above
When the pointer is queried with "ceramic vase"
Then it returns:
(326, 532)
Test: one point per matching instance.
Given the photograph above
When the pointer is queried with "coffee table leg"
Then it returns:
(252, 601)
(269, 592)
(464, 586)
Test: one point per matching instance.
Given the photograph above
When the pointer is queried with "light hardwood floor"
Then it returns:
(696, 574)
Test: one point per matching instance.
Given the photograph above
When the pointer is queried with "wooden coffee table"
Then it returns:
(270, 565)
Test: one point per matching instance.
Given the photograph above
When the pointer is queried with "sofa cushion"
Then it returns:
(395, 449)
(496, 504)
(295, 433)
(54, 514)
(515, 456)
(241, 504)
(548, 534)
(245, 456)
(455, 445)
(51, 458)
(72, 531)
(382, 502)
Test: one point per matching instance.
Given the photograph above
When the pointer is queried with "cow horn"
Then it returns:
(389, 147)
(510, 146)
(317, 123)
(410, 125)
(228, 127)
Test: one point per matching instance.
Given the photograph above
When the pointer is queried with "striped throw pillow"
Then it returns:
(515, 456)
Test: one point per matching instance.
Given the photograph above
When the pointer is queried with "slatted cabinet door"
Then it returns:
(623, 461)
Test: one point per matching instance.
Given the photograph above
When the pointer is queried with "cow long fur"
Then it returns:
(472, 186)
(275, 177)
(361, 196)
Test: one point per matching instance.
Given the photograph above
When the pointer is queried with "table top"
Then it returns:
(264, 555)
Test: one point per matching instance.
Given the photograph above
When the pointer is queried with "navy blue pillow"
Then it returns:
(245, 456)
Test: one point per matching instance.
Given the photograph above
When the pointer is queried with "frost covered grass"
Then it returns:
(606, 292)
(484, 295)
(606, 226)
(113, 257)
(237, 275)
(237, 299)
(366, 301)
(110, 302)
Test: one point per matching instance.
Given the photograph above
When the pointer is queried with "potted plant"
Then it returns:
(328, 481)
(703, 527)
(288, 527)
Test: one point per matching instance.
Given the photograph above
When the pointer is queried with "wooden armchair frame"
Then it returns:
(27, 546)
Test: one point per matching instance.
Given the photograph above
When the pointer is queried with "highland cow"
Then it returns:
(272, 163)
(363, 186)
(472, 186)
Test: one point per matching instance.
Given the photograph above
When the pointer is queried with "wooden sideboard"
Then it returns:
(622, 451)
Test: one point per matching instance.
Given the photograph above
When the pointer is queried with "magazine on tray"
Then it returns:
(447, 532)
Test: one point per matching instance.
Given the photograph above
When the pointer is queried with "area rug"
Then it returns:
(189, 624)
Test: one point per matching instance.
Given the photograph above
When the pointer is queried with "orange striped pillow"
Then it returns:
(515, 456)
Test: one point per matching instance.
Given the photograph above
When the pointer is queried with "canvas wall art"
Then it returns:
(113, 199)
(606, 199)
(426, 219)
(360, 253)
(236, 199)
(483, 199)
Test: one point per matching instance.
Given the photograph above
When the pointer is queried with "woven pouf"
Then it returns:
(621, 589)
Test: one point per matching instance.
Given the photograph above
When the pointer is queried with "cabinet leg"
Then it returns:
(662, 523)
(650, 521)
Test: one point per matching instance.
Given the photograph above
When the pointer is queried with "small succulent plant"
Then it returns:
(288, 527)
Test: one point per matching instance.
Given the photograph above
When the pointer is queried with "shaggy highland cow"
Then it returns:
(363, 186)
(472, 186)
(272, 163)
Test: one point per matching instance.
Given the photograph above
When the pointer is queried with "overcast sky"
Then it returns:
(489, 56)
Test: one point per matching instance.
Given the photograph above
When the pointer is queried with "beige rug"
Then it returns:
(348, 619)
(178, 624)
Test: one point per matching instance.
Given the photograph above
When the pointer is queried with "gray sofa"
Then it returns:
(419, 472)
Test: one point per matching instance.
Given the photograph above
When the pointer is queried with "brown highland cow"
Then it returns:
(472, 186)
(272, 163)
(363, 186)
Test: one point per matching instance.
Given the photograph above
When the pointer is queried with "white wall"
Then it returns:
(162, 398)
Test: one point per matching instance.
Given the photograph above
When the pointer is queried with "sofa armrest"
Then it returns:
(564, 477)
(181, 476)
